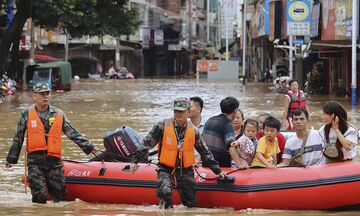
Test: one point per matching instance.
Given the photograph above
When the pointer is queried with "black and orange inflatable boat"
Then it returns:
(324, 187)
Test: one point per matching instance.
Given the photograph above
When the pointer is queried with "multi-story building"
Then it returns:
(172, 33)
(324, 58)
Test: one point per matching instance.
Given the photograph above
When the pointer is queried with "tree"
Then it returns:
(78, 17)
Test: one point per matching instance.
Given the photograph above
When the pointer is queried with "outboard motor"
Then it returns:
(120, 144)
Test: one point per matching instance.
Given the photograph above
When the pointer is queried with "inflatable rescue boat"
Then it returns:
(323, 187)
(106, 179)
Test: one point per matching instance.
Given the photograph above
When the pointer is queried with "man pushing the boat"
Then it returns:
(44, 125)
(176, 138)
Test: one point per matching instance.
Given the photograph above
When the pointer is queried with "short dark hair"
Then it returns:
(252, 122)
(298, 112)
(199, 101)
(272, 122)
(263, 115)
(229, 104)
(291, 81)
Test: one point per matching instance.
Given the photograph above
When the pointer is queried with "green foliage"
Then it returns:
(86, 17)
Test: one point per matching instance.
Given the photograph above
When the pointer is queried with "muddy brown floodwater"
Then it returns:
(98, 106)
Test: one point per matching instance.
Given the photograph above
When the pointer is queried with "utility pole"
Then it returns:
(244, 43)
(226, 32)
(218, 24)
(32, 42)
(353, 52)
(291, 40)
(208, 20)
(66, 44)
(117, 53)
(190, 39)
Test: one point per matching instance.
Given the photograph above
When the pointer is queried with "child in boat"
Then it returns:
(268, 146)
(281, 139)
(243, 150)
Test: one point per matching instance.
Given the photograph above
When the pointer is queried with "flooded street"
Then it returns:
(98, 106)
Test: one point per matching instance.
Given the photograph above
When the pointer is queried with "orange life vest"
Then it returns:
(169, 146)
(36, 134)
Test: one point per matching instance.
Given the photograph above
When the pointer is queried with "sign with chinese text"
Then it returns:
(298, 17)
(207, 66)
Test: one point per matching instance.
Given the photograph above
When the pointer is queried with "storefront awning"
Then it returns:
(122, 48)
(318, 44)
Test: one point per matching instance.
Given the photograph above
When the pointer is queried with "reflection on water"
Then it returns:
(97, 106)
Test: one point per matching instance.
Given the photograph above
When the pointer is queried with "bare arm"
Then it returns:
(285, 162)
(261, 158)
(235, 156)
(344, 142)
(307, 109)
(286, 109)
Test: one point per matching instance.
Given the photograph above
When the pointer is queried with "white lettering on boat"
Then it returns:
(76, 172)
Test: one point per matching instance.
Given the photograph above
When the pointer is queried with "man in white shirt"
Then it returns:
(313, 150)
(196, 106)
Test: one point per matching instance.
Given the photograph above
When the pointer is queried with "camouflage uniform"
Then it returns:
(45, 170)
(185, 177)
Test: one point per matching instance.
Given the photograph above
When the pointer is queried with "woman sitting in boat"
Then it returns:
(243, 149)
(339, 137)
(238, 124)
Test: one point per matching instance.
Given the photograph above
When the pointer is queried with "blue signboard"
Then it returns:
(298, 41)
(298, 11)
(298, 17)
(267, 17)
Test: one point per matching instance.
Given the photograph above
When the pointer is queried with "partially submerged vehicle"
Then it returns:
(58, 74)
(85, 67)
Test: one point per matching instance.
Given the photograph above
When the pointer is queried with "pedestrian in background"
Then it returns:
(294, 99)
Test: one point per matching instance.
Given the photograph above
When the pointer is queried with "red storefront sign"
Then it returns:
(328, 20)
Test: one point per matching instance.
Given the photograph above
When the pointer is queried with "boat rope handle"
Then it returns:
(209, 179)
(149, 162)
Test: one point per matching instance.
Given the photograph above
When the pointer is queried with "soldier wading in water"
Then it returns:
(176, 138)
(44, 124)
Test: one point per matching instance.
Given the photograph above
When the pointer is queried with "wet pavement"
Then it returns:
(98, 106)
